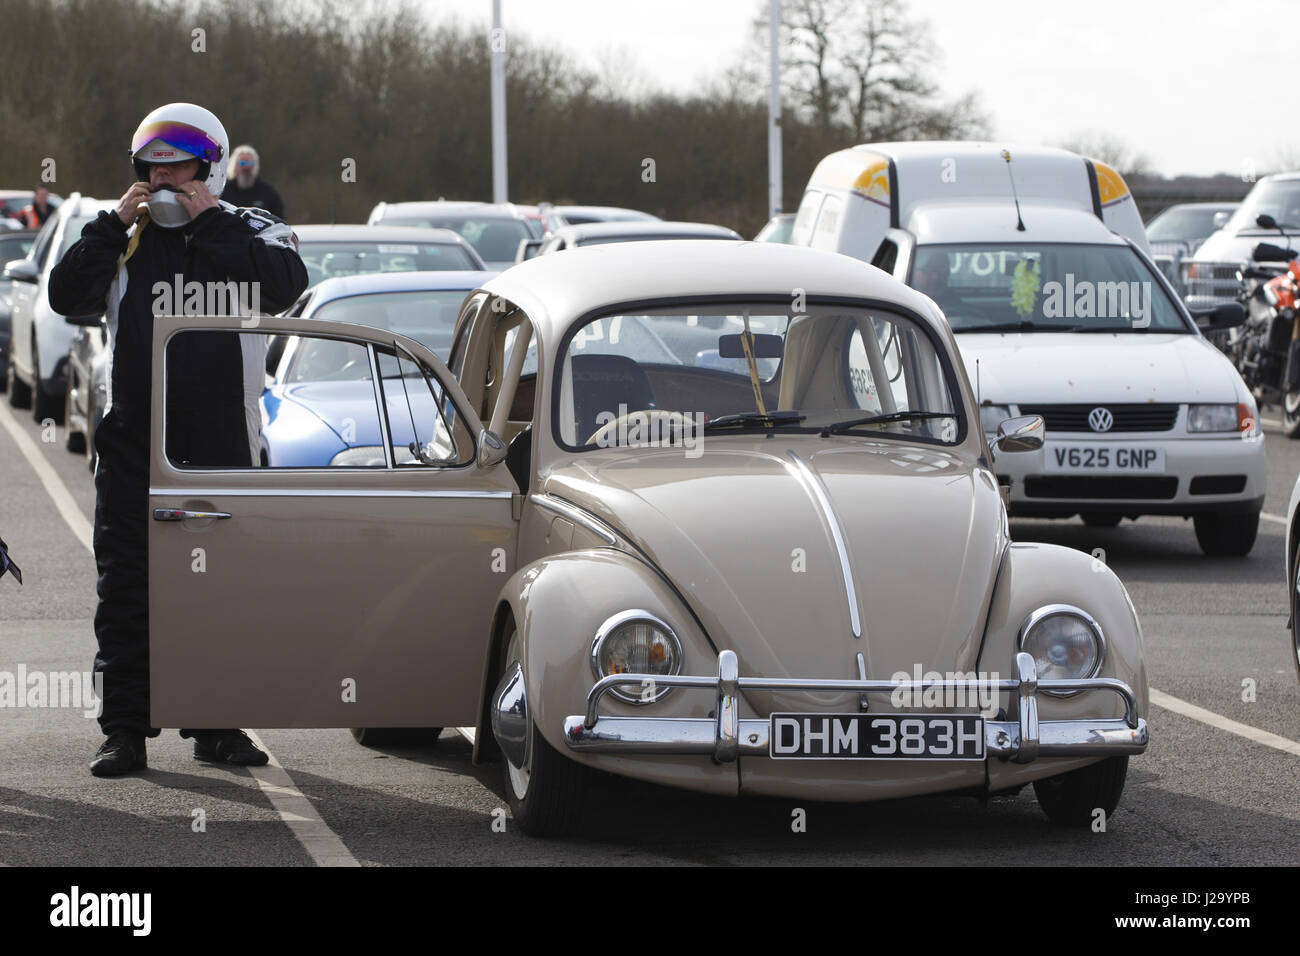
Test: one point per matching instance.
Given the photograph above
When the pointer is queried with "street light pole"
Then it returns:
(774, 112)
(500, 192)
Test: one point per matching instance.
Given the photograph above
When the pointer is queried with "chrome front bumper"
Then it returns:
(726, 735)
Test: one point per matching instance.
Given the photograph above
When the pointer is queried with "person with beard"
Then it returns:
(244, 187)
(169, 226)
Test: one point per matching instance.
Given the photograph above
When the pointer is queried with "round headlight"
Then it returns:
(636, 642)
(1065, 642)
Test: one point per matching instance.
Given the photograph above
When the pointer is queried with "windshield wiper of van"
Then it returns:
(1129, 327)
(1024, 325)
(837, 427)
(742, 419)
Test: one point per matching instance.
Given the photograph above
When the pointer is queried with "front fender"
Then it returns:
(558, 604)
(1038, 574)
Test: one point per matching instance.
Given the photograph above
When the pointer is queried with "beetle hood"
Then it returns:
(757, 536)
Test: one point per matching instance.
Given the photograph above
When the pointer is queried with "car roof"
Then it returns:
(647, 228)
(556, 290)
(381, 232)
(623, 214)
(441, 207)
(341, 287)
(995, 222)
(1200, 205)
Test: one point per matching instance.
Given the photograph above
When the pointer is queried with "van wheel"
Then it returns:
(1072, 799)
(20, 394)
(387, 736)
(545, 794)
(1226, 535)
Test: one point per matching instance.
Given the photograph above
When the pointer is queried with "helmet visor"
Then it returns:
(191, 139)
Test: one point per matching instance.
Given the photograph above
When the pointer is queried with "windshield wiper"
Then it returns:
(1110, 328)
(1024, 325)
(742, 419)
(837, 427)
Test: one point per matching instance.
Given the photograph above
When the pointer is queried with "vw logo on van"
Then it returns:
(1101, 419)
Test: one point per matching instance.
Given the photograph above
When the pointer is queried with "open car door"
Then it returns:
(347, 578)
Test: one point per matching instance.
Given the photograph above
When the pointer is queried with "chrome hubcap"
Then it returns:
(519, 775)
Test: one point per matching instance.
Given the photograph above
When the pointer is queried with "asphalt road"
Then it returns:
(1200, 795)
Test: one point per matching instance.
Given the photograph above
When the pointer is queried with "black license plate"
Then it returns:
(876, 737)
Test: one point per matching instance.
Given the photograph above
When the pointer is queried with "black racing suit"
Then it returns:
(206, 421)
(260, 194)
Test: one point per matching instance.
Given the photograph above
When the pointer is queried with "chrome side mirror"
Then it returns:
(1025, 433)
(491, 449)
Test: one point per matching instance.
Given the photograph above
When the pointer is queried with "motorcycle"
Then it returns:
(1266, 348)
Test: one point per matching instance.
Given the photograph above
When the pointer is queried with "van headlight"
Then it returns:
(636, 642)
(1065, 642)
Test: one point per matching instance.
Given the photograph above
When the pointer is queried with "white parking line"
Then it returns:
(1209, 717)
(1275, 518)
(296, 811)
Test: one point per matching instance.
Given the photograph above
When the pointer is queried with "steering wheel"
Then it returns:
(602, 435)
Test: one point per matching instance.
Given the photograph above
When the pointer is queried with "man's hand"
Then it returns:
(128, 210)
(195, 198)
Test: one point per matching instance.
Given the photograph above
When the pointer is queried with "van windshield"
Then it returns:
(1048, 287)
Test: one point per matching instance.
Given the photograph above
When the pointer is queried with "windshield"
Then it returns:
(428, 317)
(830, 369)
(1181, 225)
(1279, 199)
(495, 238)
(1047, 287)
(325, 260)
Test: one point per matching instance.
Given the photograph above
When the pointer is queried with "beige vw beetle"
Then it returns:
(713, 515)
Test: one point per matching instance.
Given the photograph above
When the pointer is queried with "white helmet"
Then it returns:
(177, 132)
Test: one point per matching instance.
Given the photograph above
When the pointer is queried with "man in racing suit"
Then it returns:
(185, 235)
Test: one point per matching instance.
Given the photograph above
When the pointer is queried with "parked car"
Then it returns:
(1211, 274)
(348, 250)
(557, 217)
(601, 233)
(1067, 318)
(1179, 230)
(494, 231)
(778, 229)
(13, 245)
(86, 395)
(313, 396)
(39, 337)
(730, 583)
(12, 203)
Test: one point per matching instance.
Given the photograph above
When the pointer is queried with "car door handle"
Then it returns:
(175, 514)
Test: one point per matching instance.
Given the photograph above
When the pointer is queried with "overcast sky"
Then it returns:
(1183, 82)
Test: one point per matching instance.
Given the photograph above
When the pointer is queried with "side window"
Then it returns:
(801, 231)
(44, 242)
(423, 424)
(886, 256)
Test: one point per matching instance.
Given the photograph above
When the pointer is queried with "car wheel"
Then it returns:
(1072, 799)
(76, 441)
(44, 405)
(1226, 535)
(545, 794)
(1295, 609)
(20, 394)
(1095, 519)
(387, 736)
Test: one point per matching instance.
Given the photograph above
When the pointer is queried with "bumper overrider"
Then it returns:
(726, 736)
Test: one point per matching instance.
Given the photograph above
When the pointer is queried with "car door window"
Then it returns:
(424, 425)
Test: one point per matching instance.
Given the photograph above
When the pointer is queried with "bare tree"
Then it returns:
(1112, 151)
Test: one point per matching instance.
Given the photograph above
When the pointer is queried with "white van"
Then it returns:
(1039, 260)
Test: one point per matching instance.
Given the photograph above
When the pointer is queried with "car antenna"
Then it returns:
(1020, 222)
(978, 400)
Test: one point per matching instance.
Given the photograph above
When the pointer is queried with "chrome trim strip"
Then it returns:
(321, 493)
(574, 513)
(813, 483)
(175, 514)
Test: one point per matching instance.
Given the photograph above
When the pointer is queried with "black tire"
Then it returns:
(388, 736)
(1071, 799)
(1226, 535)
(1094, 519)
(76, 441)
(1295, 610)
(550, 800)
(20, 394)
(44, 405)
